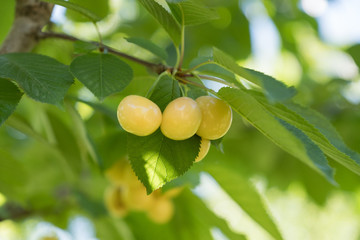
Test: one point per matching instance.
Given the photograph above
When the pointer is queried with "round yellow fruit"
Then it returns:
(138, 115)
(204, 149)
(161, 211)
(216, 117)
(138, 198)
(181, 119)
(116, 200)
(120, 173)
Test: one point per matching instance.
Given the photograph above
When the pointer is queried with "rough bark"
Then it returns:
(30, 17)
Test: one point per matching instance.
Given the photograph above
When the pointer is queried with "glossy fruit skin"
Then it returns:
(138, 115)
(216, 117)
(204, 149)
(181, 119)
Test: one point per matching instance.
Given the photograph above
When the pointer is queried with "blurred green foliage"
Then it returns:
(49, 172)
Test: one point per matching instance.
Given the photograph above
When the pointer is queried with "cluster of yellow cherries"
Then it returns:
(208, 117)
(126, 193)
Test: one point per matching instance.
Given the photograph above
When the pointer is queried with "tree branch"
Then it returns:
(30, 17)
(158, 68)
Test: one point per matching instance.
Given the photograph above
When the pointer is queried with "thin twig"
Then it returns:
(158, 68)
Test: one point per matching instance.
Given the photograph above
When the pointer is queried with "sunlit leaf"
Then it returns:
(274, 90)
(164, 18)
(69, 5)
(194, 12)
(100, 9)
(156, 159)
(244, 193)
(198, 220)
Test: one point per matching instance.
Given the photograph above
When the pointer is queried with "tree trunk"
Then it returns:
(30, 17)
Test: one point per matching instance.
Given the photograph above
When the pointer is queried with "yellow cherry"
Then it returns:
(138, 115)
(216, 117)
(181, 119)
(120, 173)
(162, 210)
(116, 200)
(204, 149)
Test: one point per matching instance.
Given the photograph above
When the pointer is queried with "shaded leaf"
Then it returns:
(148, 45)
(165, 19)
(102, 74)
(10, 96)
(156, 159)
(165, 90)
(42, 78)
(274, 90)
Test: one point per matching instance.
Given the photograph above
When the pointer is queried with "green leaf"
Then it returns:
(165, 19)
(66, 143)
(244, 194)
(42, 78)
(13, 176)
(320, 130)
(354, 51)
(102, 74)
(99, 8)
(84, 140)
(10, 96)
(314, 152)
(156, 159)
(111, 114)
(275, 90)
(165, 90)
(213, 70)
(150, 46)
(194, 12)
(83, 47)
(286, 137)
(69, 5)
